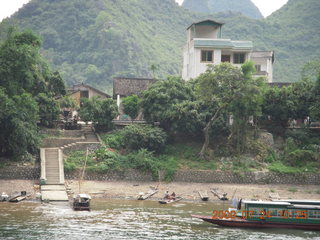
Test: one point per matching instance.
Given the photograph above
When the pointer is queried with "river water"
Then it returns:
(124, 219)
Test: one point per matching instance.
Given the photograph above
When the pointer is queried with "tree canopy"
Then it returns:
(28, 88)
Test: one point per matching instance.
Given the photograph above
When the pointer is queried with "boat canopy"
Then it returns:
(266, 203)
(302, 202)
(315, 207)
(82, 195)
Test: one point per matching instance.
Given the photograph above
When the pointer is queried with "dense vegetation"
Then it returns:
(96, 40)
(28, 88)
(246, 7)
(224, 109)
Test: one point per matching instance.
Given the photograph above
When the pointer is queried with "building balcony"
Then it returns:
(222, 44)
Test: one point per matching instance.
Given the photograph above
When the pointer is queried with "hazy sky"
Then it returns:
(8, 7)
(266, 6)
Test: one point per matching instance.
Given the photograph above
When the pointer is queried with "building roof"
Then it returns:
(76, 87)
(207, 22)
(223, 43)
(129, 86)
(279, 84)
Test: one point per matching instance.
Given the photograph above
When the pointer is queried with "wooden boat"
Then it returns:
(167, 201)
(143, 196)
(81, 202)
(221, 195)
(260, 214)
(203, 195)
(18, 197)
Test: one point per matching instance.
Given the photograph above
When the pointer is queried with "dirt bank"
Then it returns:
(13, 186)
(189, 191)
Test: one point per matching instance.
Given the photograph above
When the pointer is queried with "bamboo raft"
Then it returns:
(203, 195)
(143, 196)
(220, 195)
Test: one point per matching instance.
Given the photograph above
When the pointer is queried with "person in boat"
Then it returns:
(173, 196)
(167, 195)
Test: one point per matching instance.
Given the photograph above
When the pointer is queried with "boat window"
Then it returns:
(256, 212)
(274, 212)
(313, 214)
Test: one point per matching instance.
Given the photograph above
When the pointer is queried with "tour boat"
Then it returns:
(297, 214)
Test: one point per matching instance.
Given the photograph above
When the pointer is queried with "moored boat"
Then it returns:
(167, 201)
(297, 214)
(81, 202)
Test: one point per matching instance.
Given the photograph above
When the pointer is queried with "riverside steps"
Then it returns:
(52, 175)
(52, 170)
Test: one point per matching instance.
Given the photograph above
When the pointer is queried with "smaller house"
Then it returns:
(85, 91)
(264, 64)
(123, 87)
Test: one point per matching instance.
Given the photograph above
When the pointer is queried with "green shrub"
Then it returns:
(113, 140)
(281, 168)
(292, 189)
(143, 160)
(144, 137)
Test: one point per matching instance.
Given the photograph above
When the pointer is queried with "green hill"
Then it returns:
(92, 41)
(246, 7)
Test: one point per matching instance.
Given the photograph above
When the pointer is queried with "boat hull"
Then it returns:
(170, 201)
(239, 222)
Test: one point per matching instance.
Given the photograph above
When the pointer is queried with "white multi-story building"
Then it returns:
(205, 46)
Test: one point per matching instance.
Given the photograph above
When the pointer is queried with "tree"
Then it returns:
(18, 120)
(144, 137)
(48, 109)
(277, 109)
(67, 102)
(153, 68)
(56, 84)
(158, 101)
(27, 84)
(21, 69)
(247, 105)
(100, 111)
(131, 106)
(301, 94)
(314, 109)
(225, 86)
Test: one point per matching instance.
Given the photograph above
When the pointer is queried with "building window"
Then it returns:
(225, 58)
(239, 58)
(206, 56)
(258, 68)
(84, 94)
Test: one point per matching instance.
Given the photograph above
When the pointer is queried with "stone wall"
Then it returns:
(24, 173)
(197, 176)
(129, 175)
(246, 177)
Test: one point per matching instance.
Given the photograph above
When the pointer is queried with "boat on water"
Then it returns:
(167, 201)
(81, 202)
(297, 214)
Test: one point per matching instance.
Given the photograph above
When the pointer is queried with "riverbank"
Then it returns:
(189, 191)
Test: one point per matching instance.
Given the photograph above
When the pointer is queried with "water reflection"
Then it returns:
(111, 219)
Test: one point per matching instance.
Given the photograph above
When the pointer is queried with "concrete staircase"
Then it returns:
(52, 169)
(89, 134)
(52, 175)
(52, 166)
